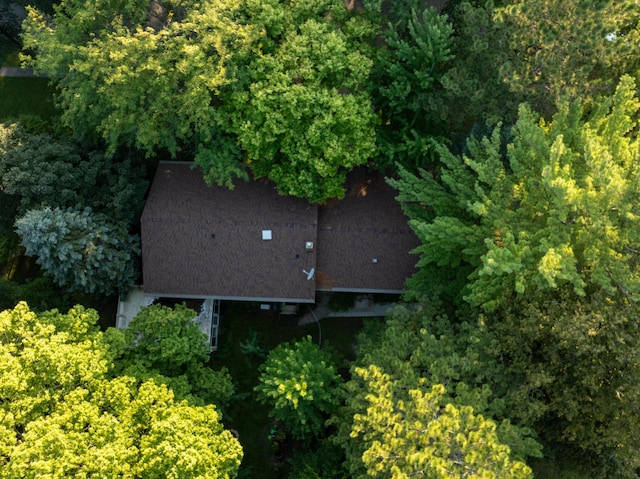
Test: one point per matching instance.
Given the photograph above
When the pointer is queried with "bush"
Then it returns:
(299, 381)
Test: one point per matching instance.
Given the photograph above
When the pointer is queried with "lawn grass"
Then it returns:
(26, 96)
(9, 53)
(240, 322)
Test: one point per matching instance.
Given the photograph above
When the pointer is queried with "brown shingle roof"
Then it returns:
(364, 240)
(200, 241)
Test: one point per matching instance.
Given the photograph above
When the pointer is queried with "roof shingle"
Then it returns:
(200, 241)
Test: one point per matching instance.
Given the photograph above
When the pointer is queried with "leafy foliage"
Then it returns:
(421, 436)
(299, 382)
(559, 209)
(574, 365)
(61, 417)
(40, 293)
(578, 49)
(400, 419)
(166, 344)
(145, 76)
(80, 250)
(301, 115)
(284, 78)
(43, 171)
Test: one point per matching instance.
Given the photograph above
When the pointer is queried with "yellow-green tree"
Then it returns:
(147, 76)
(60, 416)
(556, 206)
(425, 399)
(299, 380)
(301, 111)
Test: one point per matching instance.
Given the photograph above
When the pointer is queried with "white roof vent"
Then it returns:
(309, 245)
(266, 235)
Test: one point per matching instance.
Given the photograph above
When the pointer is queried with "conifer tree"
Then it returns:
(80, 250)
(554, 48)
(556, 207)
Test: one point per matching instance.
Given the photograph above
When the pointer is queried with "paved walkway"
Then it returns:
(17, 72)
(362, 308)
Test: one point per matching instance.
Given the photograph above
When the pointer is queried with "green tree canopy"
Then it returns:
(41, 170)
(80, 249)
(556, 207)
(61, 417)
(554, 48)
(166, 344)
(303, 118)
(407, 86)
(573, 366)
(145, 75)
(426, 398)
(299, 381)
(272, 87)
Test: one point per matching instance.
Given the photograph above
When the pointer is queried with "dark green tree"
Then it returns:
(40, 170)
(407, 87)
(579, 49)
(574, 365)
(80, 250)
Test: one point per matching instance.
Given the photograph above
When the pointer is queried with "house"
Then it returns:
(252, 244)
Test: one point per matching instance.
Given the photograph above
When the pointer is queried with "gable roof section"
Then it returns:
(364, 240)
(200, 241)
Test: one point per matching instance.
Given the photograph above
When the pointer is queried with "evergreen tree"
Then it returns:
(556, 207)
(554, 48)
(41, 170)
(407, 87)
(80, 250)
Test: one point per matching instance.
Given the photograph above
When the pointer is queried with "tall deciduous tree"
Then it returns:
(279, 80)
(167, 344)
(425, 398)
(556, 207)
(574, 369)
(301, 112)
(145, 74)
(61, 417)
(80, 250)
